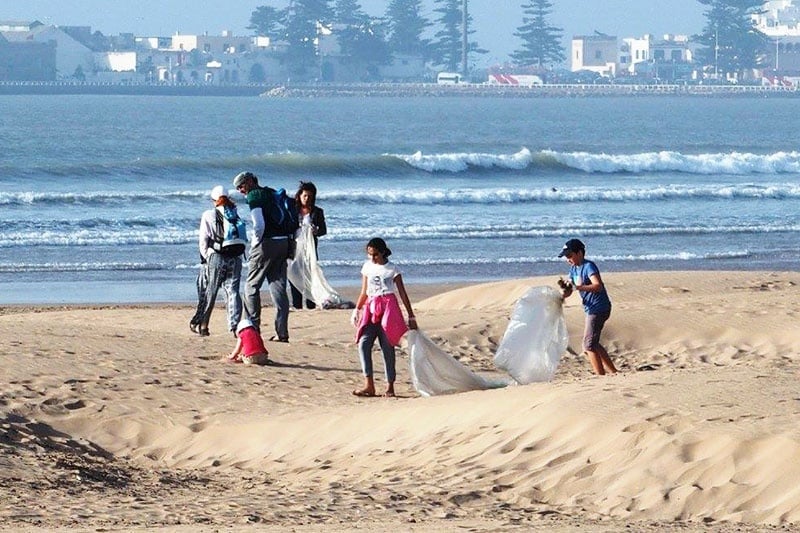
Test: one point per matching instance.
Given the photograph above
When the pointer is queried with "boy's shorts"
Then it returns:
(592, 330)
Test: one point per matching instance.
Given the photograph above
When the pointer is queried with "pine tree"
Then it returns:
(302, 19)
(731, 42)
(360, 36)
(447, 45)
(541, 42)
(266, 21)
(349, 13)
(406, 26)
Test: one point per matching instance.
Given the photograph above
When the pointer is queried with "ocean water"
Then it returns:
(101, 195)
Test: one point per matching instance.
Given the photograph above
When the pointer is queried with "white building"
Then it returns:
(598, 53)
(115, 61)
(634, 50)
(780, 20)
(215, 45)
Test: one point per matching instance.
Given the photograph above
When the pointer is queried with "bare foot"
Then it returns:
(364, 393)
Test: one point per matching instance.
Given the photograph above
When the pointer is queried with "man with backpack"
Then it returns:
(275, 219)
(222, 243)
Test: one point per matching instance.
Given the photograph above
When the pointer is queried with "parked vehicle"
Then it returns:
(448, 78)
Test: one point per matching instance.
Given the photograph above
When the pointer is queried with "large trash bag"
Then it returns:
(435, 372)
(306, 275)
(535, 338)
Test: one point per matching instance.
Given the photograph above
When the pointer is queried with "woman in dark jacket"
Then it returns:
(310, 214)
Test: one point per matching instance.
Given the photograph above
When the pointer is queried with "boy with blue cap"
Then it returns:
(584, 276)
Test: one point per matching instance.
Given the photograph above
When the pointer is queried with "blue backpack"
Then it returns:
(230, 235)
(281, 213)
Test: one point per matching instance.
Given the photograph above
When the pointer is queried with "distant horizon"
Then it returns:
(494, 25)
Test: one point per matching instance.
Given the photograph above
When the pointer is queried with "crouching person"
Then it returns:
(249, 348)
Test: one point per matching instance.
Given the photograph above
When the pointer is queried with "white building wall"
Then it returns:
(598, 54)
(213, 44)
(115, 61)
(638, 51)
(780, 18)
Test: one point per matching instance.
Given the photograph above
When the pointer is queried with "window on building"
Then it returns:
(207, 48)
(598, 54)
(658, 55)
(675, 55)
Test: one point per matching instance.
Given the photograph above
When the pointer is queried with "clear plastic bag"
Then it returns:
(435, 372)
(307, 277)
(535, 338)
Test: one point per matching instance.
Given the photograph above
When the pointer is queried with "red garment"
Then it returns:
(252, 343)
(384, 309)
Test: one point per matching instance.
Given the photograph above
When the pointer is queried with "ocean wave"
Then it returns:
(459, 162)
(99, 198)
(679, 256)
(285, 163)
(105, 236)
(89, 266)
(490, 196)
(425, 196)
(515, 231)
(732, 163)
(303, 165)
(98, 237)
(353, 264)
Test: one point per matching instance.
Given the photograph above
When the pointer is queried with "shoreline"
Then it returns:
(73, 294)
(419, 291)
(394, 90)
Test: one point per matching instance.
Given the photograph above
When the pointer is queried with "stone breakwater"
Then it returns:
(395, 90)
(481, 90)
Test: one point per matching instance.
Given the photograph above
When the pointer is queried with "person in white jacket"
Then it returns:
(224, 262)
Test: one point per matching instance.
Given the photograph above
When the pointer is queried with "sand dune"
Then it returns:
(119, 418)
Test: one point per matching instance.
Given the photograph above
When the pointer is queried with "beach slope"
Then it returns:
(117, 417)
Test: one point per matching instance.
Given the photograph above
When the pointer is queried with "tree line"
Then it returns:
(730, 41)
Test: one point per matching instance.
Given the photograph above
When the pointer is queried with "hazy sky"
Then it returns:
(495, 21)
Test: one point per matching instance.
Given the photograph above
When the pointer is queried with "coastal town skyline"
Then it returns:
(494, 24)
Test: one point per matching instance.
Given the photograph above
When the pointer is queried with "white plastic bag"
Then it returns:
(535, 338)
(435, 372)
(306, 275)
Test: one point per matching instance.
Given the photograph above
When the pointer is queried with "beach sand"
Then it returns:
(118, 418)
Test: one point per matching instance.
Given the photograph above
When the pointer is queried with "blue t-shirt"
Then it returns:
(593, 302)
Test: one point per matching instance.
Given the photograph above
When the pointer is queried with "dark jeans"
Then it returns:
(297, 299)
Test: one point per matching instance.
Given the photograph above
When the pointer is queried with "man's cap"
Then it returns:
(572, 246)
(218, 191)
(241, 177)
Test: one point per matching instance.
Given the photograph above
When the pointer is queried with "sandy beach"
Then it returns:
(118, 418)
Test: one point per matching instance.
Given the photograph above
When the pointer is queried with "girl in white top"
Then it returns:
(378, 316)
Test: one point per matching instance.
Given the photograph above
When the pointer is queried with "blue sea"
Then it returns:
(101, 195)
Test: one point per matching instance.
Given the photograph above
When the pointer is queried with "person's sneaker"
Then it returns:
(194, 327)
(204, 332)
